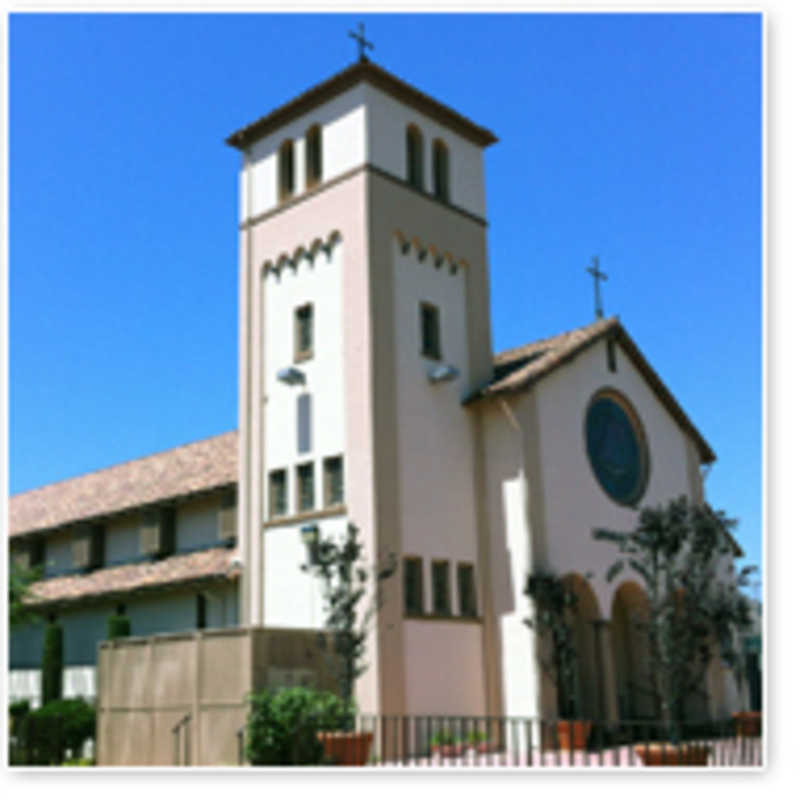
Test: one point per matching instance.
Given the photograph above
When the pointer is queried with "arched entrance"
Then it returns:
(629, 614)
(582, 620)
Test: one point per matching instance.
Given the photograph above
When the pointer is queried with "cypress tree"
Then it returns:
(52, 662)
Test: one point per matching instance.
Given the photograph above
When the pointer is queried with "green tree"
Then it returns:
(20, 579)
(346, 580)
(684, 554)
(553, 602)
(52, 662)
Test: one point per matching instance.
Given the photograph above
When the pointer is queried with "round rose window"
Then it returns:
(616, 448)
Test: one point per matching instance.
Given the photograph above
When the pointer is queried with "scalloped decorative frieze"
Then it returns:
(301, 252)
(429, 253)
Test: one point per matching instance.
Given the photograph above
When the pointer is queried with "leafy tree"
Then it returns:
(282, 725)
(346, 580)
(553, 603)
(684, 556)
(119, 627)
(20, 579)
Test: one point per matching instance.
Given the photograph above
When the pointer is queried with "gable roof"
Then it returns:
(179, 569)
(519, 368)
(196, 467)
(370, 73)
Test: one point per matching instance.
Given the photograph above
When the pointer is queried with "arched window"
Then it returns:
(414, 157)
(441, 171)
(313, 156)
(286, 170)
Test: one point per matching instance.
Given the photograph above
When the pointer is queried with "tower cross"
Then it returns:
(598, 276)
(362, 42)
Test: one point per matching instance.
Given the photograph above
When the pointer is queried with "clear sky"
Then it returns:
(636, 138)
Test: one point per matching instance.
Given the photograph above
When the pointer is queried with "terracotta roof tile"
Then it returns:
(176, 569)
(519, 368)
(194, 467)
(350, 76)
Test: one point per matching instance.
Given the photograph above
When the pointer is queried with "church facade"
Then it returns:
(369, 394)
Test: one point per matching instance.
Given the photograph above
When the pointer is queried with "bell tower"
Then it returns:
(363, 325)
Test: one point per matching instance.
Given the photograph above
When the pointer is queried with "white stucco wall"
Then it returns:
(387, 120)
(444, 671)
(435, 456)
(343, 124)
(507, 499)
(293, 598)
(574, 502)
(318, 283)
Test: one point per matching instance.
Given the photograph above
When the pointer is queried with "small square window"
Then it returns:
(333, 472)
(441, 588)
(412, 585)
(304, 332)
(466, 591)
(277, 493)
(305, 487)
(429, 321)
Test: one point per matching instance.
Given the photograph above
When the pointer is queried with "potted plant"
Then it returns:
(683, 553)
(445, 744)
(346, 580)
(554, 602)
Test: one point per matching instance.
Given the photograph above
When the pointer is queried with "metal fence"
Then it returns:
(435, 741)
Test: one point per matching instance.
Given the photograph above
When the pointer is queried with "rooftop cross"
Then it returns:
(362, 42)
(598, 276)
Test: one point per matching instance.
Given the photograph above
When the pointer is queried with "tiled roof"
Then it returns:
(519, 368)
(370, 73)
(177, 569)
(195, 467)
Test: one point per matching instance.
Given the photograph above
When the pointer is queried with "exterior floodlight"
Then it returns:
(291, 376)
(442, 372)
(310, 536)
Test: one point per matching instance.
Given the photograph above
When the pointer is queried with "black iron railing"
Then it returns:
(460, 741)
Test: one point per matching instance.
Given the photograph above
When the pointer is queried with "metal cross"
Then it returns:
(362, 41)
(598, 276)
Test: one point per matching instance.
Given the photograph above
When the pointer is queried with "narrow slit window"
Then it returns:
(277, 493)
(412, 586)
(304, 332)
(441, 588)
(611, 355)
(201, 611)
(441, 171)
(430, 331)
(333, 469)
(304, 423)
(467, 605)
(286, 170)
(313, 157)
(305, 487)
(414, 159)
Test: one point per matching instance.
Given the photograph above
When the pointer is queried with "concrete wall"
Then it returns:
(146, 686)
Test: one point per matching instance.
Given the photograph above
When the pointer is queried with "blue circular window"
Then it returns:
(616, 448)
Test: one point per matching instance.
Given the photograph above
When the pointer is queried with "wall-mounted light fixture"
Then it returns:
(310, 536)
(442, 372)
(291, 376)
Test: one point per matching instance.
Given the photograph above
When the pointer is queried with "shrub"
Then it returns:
(52, 662)
(119, 626)
(18, 710)
(282, 725)
(57, 726)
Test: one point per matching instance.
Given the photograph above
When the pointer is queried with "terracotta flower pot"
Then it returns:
(346, 748)
(748, 723)
(573, 733)
(663, 754)
(448, 750)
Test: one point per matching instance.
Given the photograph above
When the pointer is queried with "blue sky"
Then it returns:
(633, 137)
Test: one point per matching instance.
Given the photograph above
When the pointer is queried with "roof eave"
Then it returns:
(370, 73)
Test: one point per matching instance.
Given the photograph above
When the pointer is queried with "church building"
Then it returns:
(369, 393)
